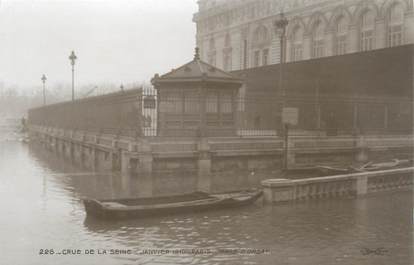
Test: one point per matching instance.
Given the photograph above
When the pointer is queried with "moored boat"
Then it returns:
(329, 171)
(395, 163)
(166, 205)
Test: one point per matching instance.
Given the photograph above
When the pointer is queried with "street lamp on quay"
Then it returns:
(280, 29)
(72, 59)
(280, 26)
(44, 90)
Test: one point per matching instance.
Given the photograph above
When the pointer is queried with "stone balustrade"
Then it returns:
(357, 184)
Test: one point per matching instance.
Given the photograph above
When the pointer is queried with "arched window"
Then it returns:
(227, 53)
(395, 25)
(367, 31)
(261, 35)
(341, 36)
(261, 46)
(318, 43)
(297, 44)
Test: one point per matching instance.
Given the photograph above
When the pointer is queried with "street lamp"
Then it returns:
(44, 90)
(72, 59)
(280, 28)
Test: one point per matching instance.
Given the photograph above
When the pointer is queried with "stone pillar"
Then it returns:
(93, 159)
(104, 160)
(50, 144)
(94, 155)
(116, 156)
(353, 36)
(43, 139)
(75, 152)
(278, 190)
(380, 35)
(98, 159)
(72, 151)
(288, 50)
(125, 162)
(355, 118)
(128, 164)
(83, 155)
(361, 185)
(219, 50)
(54, 145)
(47, 143)
(125, 184)
(64, 148)
(145, 186)
(235, 52)
(409, 28)
(318, 117)
(330, 43)
(291, 160)
(361, 148)
(58, 146)
(204, 166)
(307, 52)
(145, 158)
(84, 151)
(61, 146)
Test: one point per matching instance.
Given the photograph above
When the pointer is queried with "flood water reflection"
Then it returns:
(41, 208)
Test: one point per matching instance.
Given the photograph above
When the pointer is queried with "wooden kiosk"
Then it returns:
(197, 99)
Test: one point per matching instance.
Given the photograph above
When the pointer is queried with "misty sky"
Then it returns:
(117, 41)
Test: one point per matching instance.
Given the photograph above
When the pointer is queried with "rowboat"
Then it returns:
(166, 205)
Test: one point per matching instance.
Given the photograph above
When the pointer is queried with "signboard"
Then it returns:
(290, 116)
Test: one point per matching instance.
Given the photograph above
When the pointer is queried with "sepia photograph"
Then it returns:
(215, 132)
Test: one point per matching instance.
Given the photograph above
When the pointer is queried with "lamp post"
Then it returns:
(44, 90)
(280, 27)
(72, 59)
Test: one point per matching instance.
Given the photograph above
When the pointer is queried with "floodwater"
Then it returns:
(43, 222)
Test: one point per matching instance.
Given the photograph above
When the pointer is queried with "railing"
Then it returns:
(284, 190)
(137, 113)
(328, 189)
(116, 113)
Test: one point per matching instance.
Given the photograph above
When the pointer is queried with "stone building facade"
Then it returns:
(240, 34)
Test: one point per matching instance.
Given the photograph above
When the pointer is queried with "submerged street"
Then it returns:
(42, 213)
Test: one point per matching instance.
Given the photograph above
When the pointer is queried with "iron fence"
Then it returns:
(142, 113)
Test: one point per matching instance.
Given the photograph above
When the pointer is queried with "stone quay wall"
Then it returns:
(214, 160)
